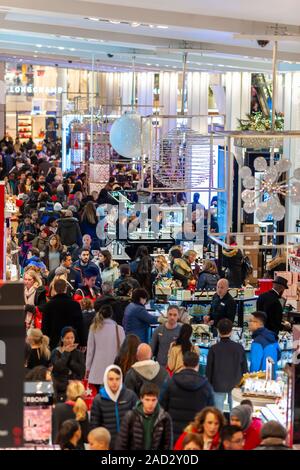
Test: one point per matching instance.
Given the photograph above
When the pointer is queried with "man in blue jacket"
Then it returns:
(136, 318)
(264, 343)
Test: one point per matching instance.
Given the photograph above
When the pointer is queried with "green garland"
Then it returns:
(258, 122)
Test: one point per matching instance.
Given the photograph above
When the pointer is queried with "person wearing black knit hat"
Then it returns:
(269, 303)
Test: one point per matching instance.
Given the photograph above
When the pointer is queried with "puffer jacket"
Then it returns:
(109, 414)
(131, 436)
(137, 321)
(69, 231)
(186, 395)
(143, 372)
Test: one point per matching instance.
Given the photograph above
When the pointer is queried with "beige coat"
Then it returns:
(175, 357)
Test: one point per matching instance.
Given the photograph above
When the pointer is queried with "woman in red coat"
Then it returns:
(242, 416)
(207, 424)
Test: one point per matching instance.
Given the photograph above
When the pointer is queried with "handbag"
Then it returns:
(90, 391)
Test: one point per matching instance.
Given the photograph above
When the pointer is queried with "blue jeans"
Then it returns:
(220, 398)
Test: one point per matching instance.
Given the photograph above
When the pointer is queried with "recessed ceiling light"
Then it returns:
(135, 25)
(151, 25)
(72, 49)
(61, 48)
(93, 18)
(157, 65)
(148, 64)
(160, 26)
(114, 21)
(38, 45)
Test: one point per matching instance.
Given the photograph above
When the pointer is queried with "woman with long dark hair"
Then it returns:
(127, 354)
(69, 435)
(89, 222)
(109, 268)
(141, 268)
(179, 347)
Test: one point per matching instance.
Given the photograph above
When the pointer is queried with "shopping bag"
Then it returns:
(90, 393)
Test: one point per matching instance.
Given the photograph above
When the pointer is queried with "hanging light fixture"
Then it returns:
(262, 195)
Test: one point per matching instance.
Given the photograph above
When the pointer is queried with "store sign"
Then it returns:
(11, 364)
(36, 90)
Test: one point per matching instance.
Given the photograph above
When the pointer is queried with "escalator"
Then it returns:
(261, 95)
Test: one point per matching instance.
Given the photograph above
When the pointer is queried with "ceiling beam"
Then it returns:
(176, 19)
(143, 42)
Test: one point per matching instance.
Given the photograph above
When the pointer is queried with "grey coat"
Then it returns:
(102, 349)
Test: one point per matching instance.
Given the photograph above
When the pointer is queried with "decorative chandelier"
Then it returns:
(262, 195)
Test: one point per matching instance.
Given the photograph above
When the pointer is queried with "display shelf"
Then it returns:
(24, 127)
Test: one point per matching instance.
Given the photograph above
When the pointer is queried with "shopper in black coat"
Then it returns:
(74, 408)
(186, 394)
(226, 364)
(69, 231)
(269, 303)
(112, 402)
(233, 262)
(68, 363)
(222, 306)
(139, 431)
(59, 312)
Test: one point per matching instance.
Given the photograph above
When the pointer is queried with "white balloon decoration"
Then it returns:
(260, 164)
(126, 135)
(245, 171)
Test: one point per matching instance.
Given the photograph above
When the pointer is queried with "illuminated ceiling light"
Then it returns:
(72, 49)
(157, 65)
(114, 21)
(161, 26)
(61, 48)
(93, 18)
(35, 56)
(38, 45)
(148, 65)
(135, 25)
(151, 25)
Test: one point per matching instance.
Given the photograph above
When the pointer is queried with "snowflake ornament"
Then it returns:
(261, 196)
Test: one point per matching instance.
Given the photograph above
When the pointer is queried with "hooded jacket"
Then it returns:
(110, 274)
(132, 434)
(251, 427)
(143, 372)
(264, 345)
(207, 280)
(233, 260)
(69, 231)
(109, 409)
(186, 394)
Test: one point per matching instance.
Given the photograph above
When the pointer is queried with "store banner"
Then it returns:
(12, 333)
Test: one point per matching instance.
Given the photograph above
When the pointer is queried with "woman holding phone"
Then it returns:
(68, 363)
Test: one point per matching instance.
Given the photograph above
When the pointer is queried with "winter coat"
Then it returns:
(269, 303)
(110, 274)
(272, 443)
(182, 271)
(119, 305)
(186, 394)
(102, 348)
(264, 345)
(64, 411)
(137, 321)
(87, 317)
(89, 229)
(141, 269)
(131, 436)
(59, 312)
(69, 231)
(207, 280)
(66, 366)
(41, 244)
(233, 261)
(147, 371)
(109, 414)
(226, 364)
